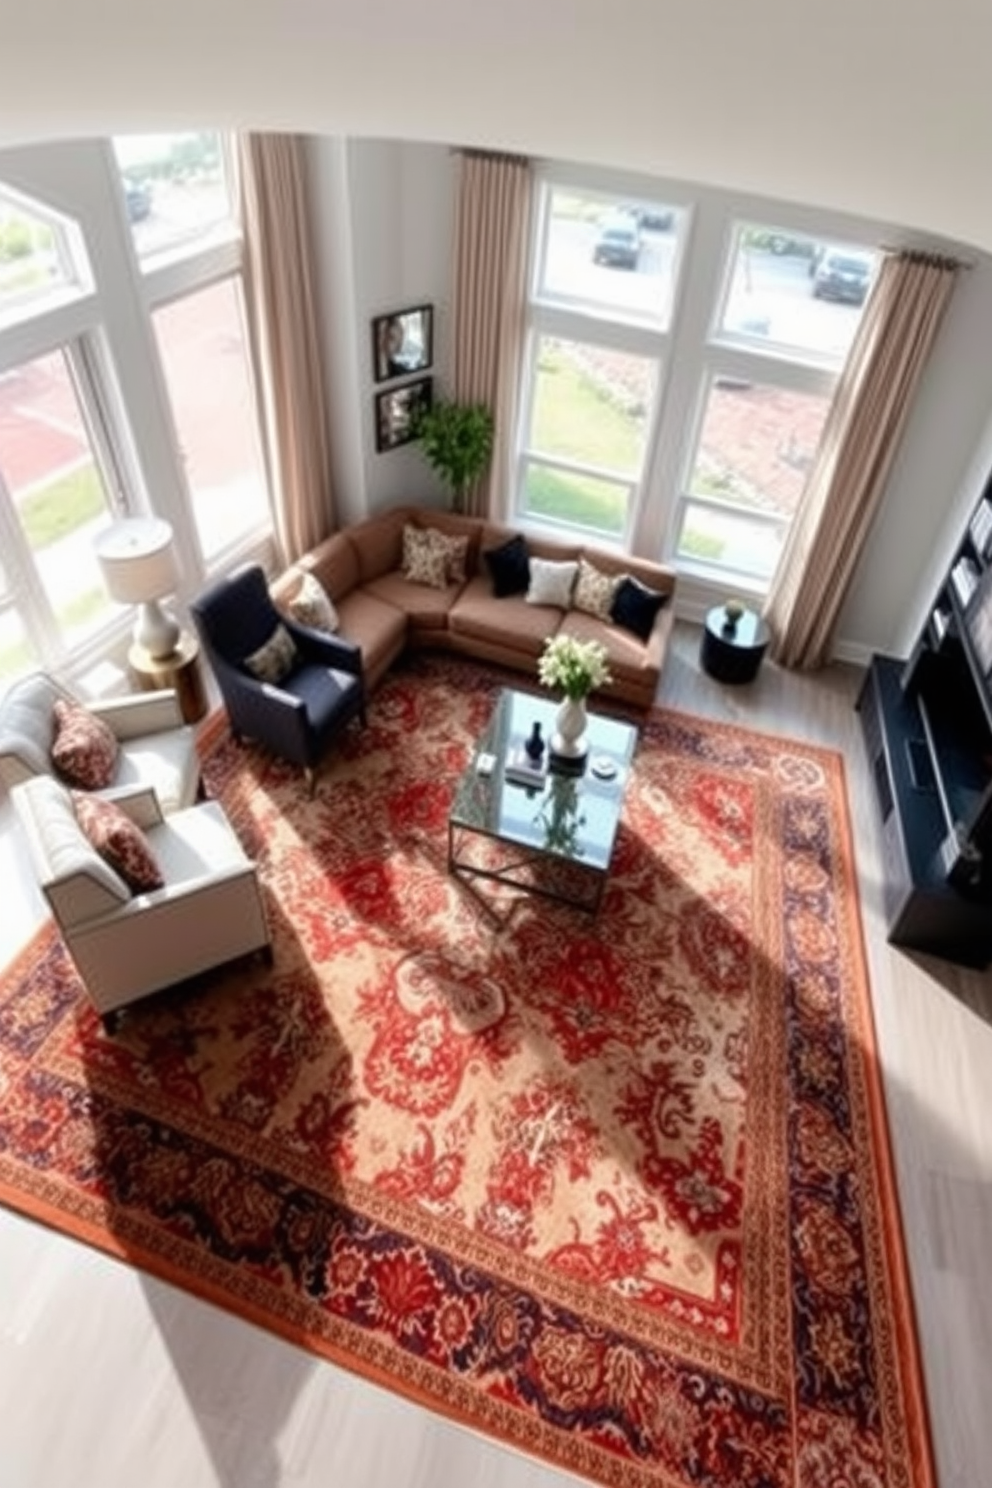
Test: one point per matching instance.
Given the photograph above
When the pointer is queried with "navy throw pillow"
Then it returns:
(509, 567)
(635, 606)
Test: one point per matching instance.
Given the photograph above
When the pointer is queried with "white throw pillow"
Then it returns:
(311, 605)
(551, 583)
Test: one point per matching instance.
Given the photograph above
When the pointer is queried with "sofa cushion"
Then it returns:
(84, 747)
(551, 582)
(120, 843)
(510, 622)
(509, 567)
(275, 658)
(426, 607)
(594, 590)
(378, 627)
(378, 544)
(627, 657)
(308, 603)
(635, 606)
(424, 559)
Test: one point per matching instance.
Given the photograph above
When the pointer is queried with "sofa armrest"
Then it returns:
(139, 802)
(141, 713)
(656, 644)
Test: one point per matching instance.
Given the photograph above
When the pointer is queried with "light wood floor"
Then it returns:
(108, 1377)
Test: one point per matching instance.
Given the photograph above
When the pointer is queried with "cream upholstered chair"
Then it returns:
(127, 945)
(156, 747)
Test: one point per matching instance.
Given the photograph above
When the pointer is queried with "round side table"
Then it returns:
(180, 671)
(733, 653)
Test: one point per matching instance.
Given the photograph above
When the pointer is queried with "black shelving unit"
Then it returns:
(927, 728)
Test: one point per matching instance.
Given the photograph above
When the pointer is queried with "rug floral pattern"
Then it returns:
(613, 1189)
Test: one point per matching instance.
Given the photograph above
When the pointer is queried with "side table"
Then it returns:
(180, 670)
(733, 653)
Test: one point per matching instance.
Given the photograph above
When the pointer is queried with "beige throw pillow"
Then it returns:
(551, 582)
(276, 659)
(455, 550)
(424, 562)
(311, 605)
(594, 590)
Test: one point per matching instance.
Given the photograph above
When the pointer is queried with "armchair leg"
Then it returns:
(311, 779)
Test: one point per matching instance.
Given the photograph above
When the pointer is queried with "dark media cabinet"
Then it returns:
(927, 727)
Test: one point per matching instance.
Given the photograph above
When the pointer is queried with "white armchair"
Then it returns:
(126, 946)
(156, 747)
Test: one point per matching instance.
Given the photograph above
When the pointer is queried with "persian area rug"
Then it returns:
(616, 1190)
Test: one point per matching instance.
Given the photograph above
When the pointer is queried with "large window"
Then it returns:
(675, 385)
(176, 192)
(605, 276)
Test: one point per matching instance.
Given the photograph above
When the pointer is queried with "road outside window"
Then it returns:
(176, 192)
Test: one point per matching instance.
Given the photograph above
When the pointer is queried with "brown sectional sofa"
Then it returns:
(360, 568)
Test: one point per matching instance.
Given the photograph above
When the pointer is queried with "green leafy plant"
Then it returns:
(457, 442)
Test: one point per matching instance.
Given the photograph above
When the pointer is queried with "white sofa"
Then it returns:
(126, 946)
(156, 747)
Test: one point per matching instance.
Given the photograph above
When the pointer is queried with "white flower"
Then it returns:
(574, 667)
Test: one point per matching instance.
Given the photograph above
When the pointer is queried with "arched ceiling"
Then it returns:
(877, 107)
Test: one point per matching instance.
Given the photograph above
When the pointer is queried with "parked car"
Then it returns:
(653, 218)
(843, 274)
(618, 243)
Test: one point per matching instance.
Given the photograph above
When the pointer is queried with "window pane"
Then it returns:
(202, 343)
(610, 252)
(583, 500)
(59, 496)
(796, 292)
(591, 405)
(175, 190)
(757, 445)
(16, 652)
(729, 540)
(34, 258)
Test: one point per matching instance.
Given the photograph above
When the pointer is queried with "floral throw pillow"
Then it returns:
(455, 550)
(84, 748)
(312, 605)
(120, 843)
(594, 590)
(424, 561)
(276, 659)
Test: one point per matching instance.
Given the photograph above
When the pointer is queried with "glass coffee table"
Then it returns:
(553, 836)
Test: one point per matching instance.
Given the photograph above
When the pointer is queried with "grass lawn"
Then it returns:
(58, 508)
(576, 498)
(574, 417)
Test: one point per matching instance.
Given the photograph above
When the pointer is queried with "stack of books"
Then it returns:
(520, 769)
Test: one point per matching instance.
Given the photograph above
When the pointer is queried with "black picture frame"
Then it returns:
(402, 343)
(396, 410)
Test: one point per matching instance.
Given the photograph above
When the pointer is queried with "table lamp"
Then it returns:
(138, 563)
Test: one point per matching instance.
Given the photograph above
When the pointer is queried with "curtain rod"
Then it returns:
(928, 255)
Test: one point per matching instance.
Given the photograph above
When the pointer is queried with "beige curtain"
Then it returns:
(282, 321)
(492, 227)
(859, 442)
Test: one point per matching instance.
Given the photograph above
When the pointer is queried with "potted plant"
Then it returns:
(574, 668)
(457, 441)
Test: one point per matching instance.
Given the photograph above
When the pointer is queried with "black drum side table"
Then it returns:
(732, 653)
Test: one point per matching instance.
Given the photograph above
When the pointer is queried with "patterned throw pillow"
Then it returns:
(121, 844)
(276, 659)
(312, 605)
(551, 582)
(84, 749)
(424, 562)
(594, 590)
(455, 550)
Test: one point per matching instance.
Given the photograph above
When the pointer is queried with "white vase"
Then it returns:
(570, 738)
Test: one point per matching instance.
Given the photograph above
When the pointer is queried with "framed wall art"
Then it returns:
(403, 342)
(396, 412)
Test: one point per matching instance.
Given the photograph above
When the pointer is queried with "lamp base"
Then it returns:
(155, 630)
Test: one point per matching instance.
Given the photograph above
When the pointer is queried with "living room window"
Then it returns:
(177, 193)
(782, 328)
(604, 282)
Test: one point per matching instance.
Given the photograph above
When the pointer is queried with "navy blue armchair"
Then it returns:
(298, 717)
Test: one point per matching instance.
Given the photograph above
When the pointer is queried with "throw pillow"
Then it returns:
(121, 844)
(312, 605)
(84, 748)
(551, 582)
(276, 659)
(594, 591)
(455, 550)
(424, 561)
(635, 606)
(509, 567)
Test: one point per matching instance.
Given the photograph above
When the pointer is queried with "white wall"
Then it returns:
(395, 201)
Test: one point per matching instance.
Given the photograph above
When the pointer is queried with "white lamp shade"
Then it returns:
(137, 560)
